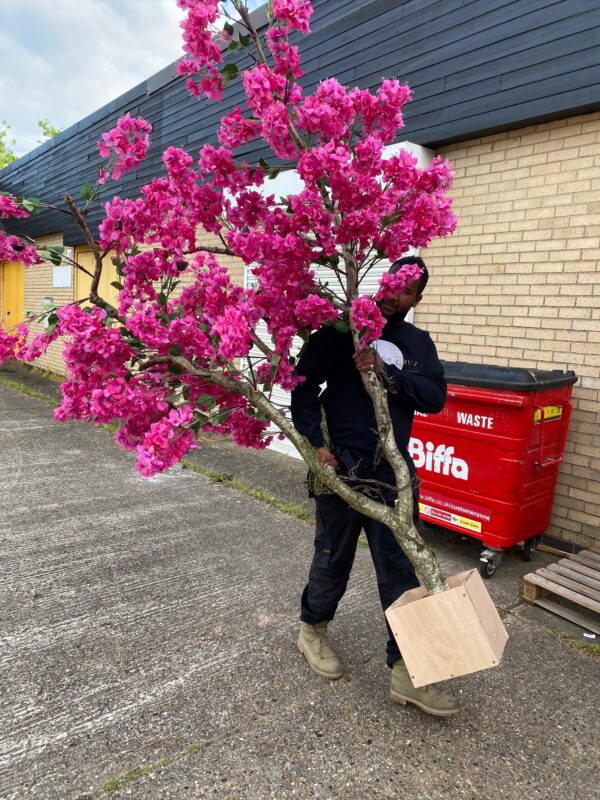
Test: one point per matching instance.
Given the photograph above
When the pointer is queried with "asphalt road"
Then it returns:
(147, 650)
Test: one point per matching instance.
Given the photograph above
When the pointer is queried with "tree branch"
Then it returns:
(94, 296)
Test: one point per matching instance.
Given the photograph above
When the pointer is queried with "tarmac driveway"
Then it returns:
(147, 651)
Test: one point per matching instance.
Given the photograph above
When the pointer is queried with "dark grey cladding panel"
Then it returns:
(475, 67)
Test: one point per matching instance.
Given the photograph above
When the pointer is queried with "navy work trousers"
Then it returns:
(337, 532)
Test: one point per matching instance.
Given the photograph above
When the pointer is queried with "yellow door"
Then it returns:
(83, 281)
(13, 294)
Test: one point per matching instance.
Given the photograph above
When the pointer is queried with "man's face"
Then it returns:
(395, 308)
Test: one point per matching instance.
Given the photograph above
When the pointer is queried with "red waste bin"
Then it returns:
(488, 462)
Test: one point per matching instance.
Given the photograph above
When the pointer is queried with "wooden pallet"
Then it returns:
(577, 579)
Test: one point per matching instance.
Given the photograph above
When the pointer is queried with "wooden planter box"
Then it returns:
(448, 634)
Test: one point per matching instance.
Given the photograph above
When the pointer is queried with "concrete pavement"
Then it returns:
(147, 645)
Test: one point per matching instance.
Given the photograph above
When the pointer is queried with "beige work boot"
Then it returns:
(312, 643)
(428, 698)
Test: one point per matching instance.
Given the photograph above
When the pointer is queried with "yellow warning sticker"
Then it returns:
(447, 516)
(469, 523)
(550, 412)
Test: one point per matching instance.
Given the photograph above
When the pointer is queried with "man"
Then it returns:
(407, 361)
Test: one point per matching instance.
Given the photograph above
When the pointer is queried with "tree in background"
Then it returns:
(7, 153)
(48, 130)
(175, 356)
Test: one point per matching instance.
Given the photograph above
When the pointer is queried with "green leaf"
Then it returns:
(220, 416)
(88, 191)
(131, 340)
(199, 422)
(52, 323)
(206, 401)
(175, 369)
(341, 326)
(32, 204)
(55, 258)
(117, 284)
(274, 173)
(174, 350)
(232, 46)
(264, 163)
(162, 299)
(230, 71)
(244, 40)
(228, 28)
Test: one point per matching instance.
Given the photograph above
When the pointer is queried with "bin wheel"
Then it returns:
(529, 549)
(487, 568)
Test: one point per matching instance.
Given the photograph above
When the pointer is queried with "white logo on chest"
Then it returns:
(389, 353)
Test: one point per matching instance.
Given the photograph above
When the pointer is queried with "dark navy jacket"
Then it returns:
(327, 358)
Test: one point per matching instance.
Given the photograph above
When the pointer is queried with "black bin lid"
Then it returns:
(517, 379)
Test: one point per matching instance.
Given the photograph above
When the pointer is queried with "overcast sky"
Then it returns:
(63, 59)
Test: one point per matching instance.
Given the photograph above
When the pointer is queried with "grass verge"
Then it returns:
(21, 387)
(577, 644)
(263, 495)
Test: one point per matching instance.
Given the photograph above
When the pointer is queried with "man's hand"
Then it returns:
(368, 359)
(326, 457)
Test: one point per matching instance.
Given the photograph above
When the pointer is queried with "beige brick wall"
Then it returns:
(518, 284)
(235, 266)
(38, 285)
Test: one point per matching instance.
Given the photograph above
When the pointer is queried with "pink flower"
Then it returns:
(166, 442)
(38, 346)
(235, 335)
(276, 130)
(287, 59)
(391, 284)
(329, 112)
(10, 343)
(126, 145)
(235, 130)
(203, 53)
(247, 431)
(10, 208)
(368, 320)
(314, 311)
(296, 13)
(263, 87)
(12, 248)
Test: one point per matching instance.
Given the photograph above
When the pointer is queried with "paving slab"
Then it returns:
(147, 650)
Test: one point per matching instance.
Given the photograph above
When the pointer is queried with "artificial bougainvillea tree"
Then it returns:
(177, 353)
